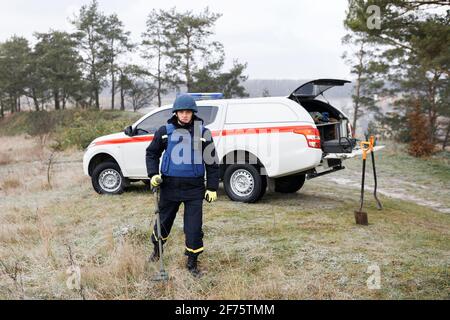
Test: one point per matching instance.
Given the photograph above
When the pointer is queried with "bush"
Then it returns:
(81, 133)
(419, 144)
(68, 128)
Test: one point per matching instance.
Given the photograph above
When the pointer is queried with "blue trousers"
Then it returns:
(193, 221)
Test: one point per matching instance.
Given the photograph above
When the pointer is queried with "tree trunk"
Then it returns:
(113, 75)
(35, 100)
(122, 99)
(12, 103)
(97, 98)
(188, 65)
(432, 109)
(357, 97)
(64, 98)
(56, 98)
(188, 76)
(159, 78)
(159, 96)
(356, 106)
(1, 109)
(447, 136)
(18, 104)
(15, 104)
(113, 90)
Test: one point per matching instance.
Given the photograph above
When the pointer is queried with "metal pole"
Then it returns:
(158, 227)
(379, 205)
(162, 275)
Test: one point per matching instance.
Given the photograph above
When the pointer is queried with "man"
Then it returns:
(189, 153)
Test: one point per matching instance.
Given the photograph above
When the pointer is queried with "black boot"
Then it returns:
(193, 267)
(155, 255)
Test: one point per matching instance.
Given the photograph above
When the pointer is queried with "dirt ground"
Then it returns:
(299, 246)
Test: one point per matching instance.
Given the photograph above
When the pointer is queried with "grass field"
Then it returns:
(300, 246)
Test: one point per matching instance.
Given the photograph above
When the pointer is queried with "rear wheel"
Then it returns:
(290, 184)
(107, 178)
(244, 183)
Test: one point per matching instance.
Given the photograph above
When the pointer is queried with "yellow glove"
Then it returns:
(156, 181)
(210, 196)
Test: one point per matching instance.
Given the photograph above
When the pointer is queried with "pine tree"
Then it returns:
(415, 52)
(160, 54)
(59, 65)
(191, 40)
(367, 83)
(15, 55)
(117, 42)
(91, 33)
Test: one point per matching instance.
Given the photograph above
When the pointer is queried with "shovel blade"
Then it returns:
(361, 218)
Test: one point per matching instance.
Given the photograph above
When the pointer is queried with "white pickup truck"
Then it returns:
(275, 142)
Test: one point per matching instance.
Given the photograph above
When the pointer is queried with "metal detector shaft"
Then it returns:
(163, 275)
(158, 227)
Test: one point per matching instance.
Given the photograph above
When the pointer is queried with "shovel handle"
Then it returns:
(365, 147)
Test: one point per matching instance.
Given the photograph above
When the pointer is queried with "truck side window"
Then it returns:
(208, 114)
(153, 123)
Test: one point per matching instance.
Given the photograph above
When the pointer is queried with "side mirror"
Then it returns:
(129, 131)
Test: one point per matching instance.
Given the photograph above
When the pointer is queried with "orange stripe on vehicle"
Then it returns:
(266, 130)
(218, 133)
(124, 140)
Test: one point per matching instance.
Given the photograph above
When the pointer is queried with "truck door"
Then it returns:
(134, 151)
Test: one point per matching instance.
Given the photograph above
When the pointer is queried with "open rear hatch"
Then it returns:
(333, 125)
(315, 88)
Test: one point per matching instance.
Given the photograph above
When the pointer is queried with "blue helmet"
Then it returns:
(185, 102)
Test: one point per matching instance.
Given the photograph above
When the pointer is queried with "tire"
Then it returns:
(263, 187)
(107, 178)
(243, 183)
(290, 184)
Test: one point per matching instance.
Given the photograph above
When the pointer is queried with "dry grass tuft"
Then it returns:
(5, 159)
(11, 183)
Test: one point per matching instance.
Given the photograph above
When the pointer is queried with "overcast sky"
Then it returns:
(284, 39)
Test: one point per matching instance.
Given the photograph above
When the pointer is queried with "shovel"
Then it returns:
(361, 216)
(162, 275)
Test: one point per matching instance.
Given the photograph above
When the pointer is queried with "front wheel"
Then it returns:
(243, 183)
(107, 178)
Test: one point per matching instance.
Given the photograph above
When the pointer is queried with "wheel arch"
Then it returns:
(100, 158)
(240, 157)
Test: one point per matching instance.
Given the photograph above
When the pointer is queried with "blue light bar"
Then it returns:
(206, 96)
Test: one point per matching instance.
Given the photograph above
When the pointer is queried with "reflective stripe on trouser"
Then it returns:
(193, 220)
